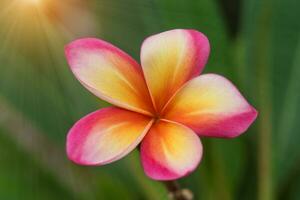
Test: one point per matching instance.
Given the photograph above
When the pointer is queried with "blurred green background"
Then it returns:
(255, 43)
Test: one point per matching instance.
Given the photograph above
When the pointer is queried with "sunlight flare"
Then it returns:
(32, 2)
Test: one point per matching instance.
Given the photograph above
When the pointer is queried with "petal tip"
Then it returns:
(72, 48)
(170, 175)
(246, 120)
(73, 146)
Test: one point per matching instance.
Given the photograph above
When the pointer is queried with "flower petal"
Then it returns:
(106, 135)
(170, 151)
(170, 59)
(109, 73)
(212, 106)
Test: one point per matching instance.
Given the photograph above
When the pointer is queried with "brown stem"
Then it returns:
(176, 192)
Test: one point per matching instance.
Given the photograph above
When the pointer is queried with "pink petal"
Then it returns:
(170, 151)
(170, 59)
(110, 74)
(211, 106)
(106, 135)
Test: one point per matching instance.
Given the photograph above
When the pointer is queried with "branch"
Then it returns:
(176, 193)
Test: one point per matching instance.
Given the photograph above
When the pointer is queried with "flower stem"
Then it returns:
(176, 192)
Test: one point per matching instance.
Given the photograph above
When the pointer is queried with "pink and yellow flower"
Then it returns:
(161, 105)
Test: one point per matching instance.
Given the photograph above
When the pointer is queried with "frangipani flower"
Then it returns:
(163, 105)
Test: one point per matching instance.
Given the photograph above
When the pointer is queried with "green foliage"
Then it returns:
(262, 60)
(23, 178)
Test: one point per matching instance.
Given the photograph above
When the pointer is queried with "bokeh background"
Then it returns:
(255, 43)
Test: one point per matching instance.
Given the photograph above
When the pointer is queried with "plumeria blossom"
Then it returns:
(160, 106)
